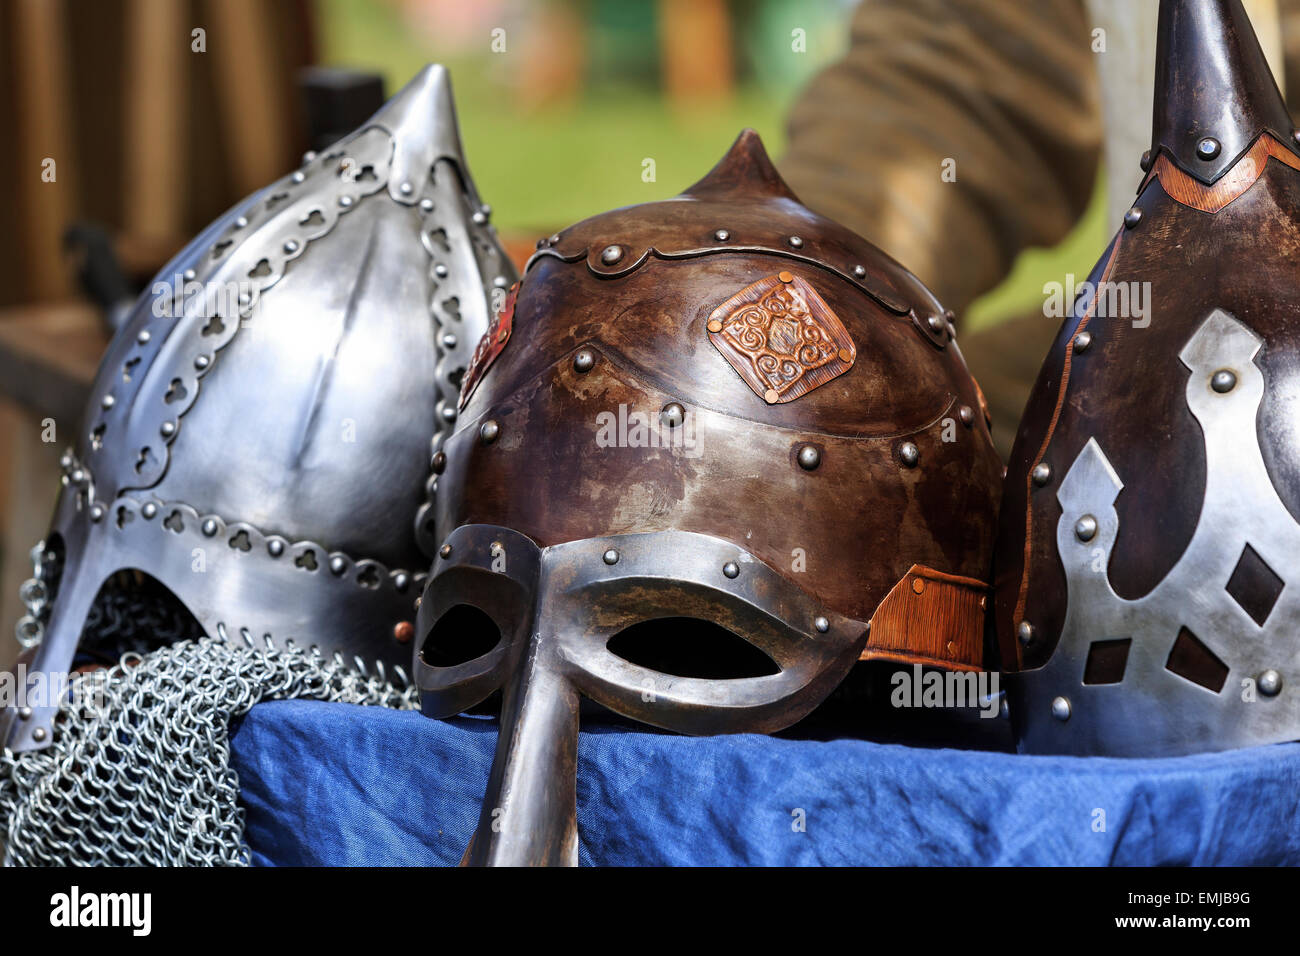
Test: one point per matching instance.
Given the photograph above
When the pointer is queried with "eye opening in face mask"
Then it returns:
(463, 633)
(690, 647)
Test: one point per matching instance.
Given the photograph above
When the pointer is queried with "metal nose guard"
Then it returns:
(558, 607)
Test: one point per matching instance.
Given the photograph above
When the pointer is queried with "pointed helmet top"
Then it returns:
(1214, 91)
(745, 170)
(422, 120)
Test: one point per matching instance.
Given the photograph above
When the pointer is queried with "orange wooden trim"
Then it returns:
(1047, 440)
(930, 617)
(1190, 191)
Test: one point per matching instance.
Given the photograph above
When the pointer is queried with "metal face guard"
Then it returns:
(557, 611)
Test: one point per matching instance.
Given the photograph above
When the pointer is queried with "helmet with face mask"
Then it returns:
(1146, 559)
(259, 436)
(712, 451)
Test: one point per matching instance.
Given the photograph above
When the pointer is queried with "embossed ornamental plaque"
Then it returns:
(781, 337)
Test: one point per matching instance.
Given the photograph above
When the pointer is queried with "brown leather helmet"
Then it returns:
(706, 446)
(1146, 561)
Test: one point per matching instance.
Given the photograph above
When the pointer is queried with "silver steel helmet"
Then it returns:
(259, 437)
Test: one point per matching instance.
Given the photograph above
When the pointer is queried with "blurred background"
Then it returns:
(130, 124)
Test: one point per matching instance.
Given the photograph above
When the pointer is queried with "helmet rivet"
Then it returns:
(1208, 148)
(440, 271)
(1025, 632)
(38, 734)
(611, 255)
(722, 235)
(909, 453)
(1061, 708)
(1042, 473)
(449, 413)
(821, 624)
(97, 513)
(298, 176)
(338, 565)
(403, 631)
(771, 396)
(241, 222)
(149, 510)
(785, 276)
(500, 282)
(1085, 529)
(672, 414)
(1082, 341)
(143, 337)
(210, 527)
(584, 360)
(1132, 217)
(426, 205)
(967, 415)
(489, 431)
(275, 547)
(935, 322)
(610, 556)
(168, 429)
(444, 551)
(107, 401)
(190, 275)
(291, 246)
(809, 457)
(1224, 380)
(345, 201)
(860, 271)
(449, 340)
(795, 242)
(401, 581)
(479, 219)
(25, 713)
(731, 569)
(918, 585)
(439, 464)
(201, 362)
(1145, 161)
(1270, 683)
(406, 189)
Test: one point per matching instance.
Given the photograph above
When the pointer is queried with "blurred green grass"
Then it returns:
(544, 169)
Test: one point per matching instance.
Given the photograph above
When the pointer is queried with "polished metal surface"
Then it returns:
(1153, 709)
(261, 432)
(556, 610)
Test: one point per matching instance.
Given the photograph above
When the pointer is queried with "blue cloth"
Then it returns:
(340, 784)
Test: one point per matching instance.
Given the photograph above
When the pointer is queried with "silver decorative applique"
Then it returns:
(1210, 658)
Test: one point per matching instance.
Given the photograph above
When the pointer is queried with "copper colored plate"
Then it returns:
(781, 337)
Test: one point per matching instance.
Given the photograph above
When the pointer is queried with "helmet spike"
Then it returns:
(1214, 91)
(745, 169)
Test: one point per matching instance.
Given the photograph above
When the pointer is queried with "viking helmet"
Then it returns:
(259, 435)
(705, 447)
(1146, 574)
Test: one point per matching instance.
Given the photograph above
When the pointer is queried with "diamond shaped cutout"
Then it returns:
(1191, 660)
(1107, 661)
(1254, 586)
